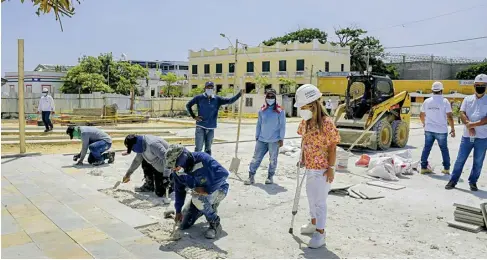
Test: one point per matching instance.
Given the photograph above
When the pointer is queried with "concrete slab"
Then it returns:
(483, 207)
(146, 248)
(107, 248)
(465, 226)
(71, 251)
(468, 208)
(36, 224)
(469, 221)
(386, 185)
(124, 213)
(87, 235)
(29, 251)
(9, 225)
(120, 231)
(468, 214)
(15, 239)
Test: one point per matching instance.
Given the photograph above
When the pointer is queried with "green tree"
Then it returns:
(171, 88)
(472, 71)
(225, 91)
(261, 82)
(289, 85)
(59, 7)
(92, 74)
(196, 91)
(302, 35)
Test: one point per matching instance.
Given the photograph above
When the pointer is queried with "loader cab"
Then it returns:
(364, 92)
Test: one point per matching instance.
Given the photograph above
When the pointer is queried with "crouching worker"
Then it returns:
(151, 151)
(206, 178)
(94, 139)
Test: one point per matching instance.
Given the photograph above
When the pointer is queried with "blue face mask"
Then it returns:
(270, 102)
(209, 92)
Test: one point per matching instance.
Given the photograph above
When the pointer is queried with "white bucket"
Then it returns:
(342, 163)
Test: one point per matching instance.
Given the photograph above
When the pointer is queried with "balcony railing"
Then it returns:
(281, 74)
(265, 74)
(230, 74)
(249, 74)
(206, 76)
(218, 75)
(300, 73)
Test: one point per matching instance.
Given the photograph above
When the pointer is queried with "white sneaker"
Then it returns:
(317, 241)
(308, 229)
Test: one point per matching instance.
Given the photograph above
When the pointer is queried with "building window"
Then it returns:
(12, 89)
(327, 66)
(152, 65)
(207, 68)
(194, 86)
(165, 67)
(266, 66)
(230, 86)
(219, 68)
(194, 69)
(299, 65)
(267, 87)
(342, 67)
(172, 67)
(28, 88)
(219, 88)
(183, 67)
(250, 66)
(249, 87)
(282, 65)
(249, 102)
(231, 67)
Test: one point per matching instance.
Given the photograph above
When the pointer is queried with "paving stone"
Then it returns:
(93, 214)
(23, 210)
(468, 214)
(107, 248)
(86, 235)
(465, 226)
(67, 219)
(17, 199)
(65, 195)
(15, 239)
(29, 251)
(468, 208)
(73, 251)
(36, 224)
(387, 185)
(124, 213)
(30, 190)
(483, 207)
(148, 249)
(469, 220)
(120, 231)
(9, 225)
(51, 239)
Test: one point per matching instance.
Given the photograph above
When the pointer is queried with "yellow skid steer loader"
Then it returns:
(372, 116)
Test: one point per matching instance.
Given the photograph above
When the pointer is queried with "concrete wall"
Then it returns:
(426, 70)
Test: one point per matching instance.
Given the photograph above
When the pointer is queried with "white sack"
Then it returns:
(384, 171)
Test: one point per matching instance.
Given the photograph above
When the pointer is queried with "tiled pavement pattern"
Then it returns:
(53, 212)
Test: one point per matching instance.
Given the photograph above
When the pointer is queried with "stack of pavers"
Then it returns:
(469, 218)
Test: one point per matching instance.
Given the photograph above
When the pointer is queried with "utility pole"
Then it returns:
(311, 76)
(20, 43)
(108, 77)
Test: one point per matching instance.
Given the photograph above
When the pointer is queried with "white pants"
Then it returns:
(317, 189)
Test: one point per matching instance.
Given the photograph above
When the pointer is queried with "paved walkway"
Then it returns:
(49, 213)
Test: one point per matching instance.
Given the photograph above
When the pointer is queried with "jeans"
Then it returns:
(479, 147)
(317, 189)
(204, 137)
(46, 119)
(261, 149)
(429, 140)
(202, 205)
(156, 180)
(97, 148)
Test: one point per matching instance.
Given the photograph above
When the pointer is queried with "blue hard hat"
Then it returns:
(209, 83)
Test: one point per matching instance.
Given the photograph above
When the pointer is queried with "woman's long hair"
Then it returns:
(318, 115)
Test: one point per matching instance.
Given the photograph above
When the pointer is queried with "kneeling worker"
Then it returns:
(94, 139)
(206, 178)
(151, 151)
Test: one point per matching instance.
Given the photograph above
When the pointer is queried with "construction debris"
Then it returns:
(363, 192)
(386, 185)
(469, 218)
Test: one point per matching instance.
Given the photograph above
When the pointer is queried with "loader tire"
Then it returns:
(400, 134)
(384, 132)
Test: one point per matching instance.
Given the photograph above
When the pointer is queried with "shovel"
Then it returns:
(235, 160)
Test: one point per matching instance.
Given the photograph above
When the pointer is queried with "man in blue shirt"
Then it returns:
(269, 134)
(474, 117)
(207, 180)
(208, 105)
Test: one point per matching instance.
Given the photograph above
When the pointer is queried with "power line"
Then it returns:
(436, 43)
(427, 19)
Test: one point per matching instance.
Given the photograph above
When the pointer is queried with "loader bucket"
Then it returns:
(349, 136)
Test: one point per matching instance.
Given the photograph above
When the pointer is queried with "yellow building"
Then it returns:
(297, 61)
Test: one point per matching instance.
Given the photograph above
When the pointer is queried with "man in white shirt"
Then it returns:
(46, 107)
(328, 107)
(435, 112)
(473, 113)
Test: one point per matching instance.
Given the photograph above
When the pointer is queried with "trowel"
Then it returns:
(117, 184)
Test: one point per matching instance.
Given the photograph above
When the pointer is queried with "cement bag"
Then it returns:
(405, 155)
(402, 166)
(285, 149)
(342, 159)
(363, 161)
(379, 160)
(384, 171)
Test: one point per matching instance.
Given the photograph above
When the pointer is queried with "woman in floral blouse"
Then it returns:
(319, 140)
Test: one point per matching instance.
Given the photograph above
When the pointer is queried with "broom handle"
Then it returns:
(239, 121)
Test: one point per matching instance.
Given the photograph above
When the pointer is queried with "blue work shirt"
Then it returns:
(206, 173)
(476, 110)
(271, 124)
(208, 108)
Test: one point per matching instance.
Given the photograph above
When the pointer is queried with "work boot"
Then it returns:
(98, 163)
(250, 180)
(269, 180)
(146, 187)
(426, 171)
(47, 130)
(450, 185)
(445, 171)
(214, 230)
(473, 187)
(308, 229)
(111, 157)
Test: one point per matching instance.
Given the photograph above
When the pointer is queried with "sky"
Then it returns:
(166, 30)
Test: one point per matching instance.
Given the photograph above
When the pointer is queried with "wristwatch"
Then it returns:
(332, 167)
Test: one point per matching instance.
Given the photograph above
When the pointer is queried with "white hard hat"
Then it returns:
(306, 94)
(437, 86)
(45, 90)
(481, 78)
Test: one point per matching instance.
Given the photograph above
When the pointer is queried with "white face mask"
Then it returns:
(270, 102)
(209, 92)
(44, 94)
(306, 114)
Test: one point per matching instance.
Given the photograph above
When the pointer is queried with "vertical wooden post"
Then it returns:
(21, 102)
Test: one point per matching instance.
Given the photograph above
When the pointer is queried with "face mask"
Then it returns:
(44, 94)
(306, 114)
(270, 102)
(480, 90)
(209, 92)
(180, 171)
(77, 133)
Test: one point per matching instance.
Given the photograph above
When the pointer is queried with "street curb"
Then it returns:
(18, 155)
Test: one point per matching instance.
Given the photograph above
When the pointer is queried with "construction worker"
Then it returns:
(94, 139)
(269, 134)
(319, 140)
(206, 178)
(46, 108)
(208, 105)
(151, 151)
(328, 107)
(435, 112)
(474, 116)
